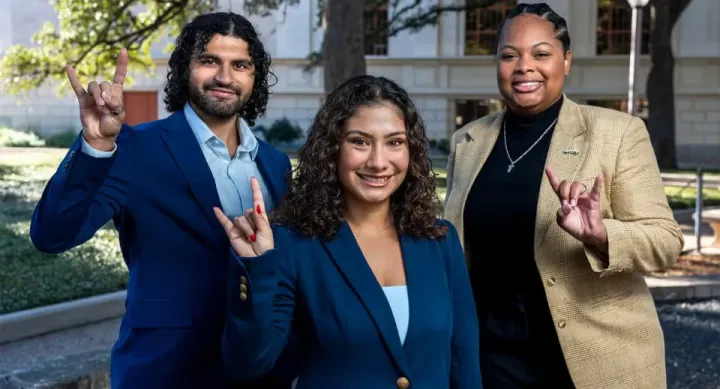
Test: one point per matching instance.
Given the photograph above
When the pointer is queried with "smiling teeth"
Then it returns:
(373, 179)
(528, 83)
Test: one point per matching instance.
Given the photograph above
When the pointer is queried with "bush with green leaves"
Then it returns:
(30, 278)
(63, 140)
(15, 138)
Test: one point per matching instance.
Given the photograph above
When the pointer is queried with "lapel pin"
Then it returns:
(571, 151)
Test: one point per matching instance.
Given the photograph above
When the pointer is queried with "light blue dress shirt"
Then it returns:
(397, 297)
(232, 175)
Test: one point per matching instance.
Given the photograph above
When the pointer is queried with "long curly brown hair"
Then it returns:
(315, 203)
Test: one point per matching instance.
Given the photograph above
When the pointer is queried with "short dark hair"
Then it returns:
(544, 11)
(193, 41)
(315, 204)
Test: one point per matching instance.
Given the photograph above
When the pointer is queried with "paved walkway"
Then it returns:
(35, 353)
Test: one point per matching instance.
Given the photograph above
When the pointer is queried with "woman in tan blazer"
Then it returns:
(561, 209)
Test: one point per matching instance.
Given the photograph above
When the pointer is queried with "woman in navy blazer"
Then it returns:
(358, 267)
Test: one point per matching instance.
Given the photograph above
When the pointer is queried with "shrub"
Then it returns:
(15, 138)
(63, 140)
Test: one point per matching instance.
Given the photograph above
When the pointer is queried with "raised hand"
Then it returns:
(250, 235)
(101, 105)
(579, 212)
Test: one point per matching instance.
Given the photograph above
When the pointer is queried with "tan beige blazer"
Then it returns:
(604, 314)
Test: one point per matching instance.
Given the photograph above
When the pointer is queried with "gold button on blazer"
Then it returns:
(604, 314)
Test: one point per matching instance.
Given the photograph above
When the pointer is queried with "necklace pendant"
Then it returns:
(510, 167)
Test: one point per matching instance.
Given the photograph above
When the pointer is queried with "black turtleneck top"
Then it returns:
(518, 344)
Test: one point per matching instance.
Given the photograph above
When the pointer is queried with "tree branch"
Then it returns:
(430, 16)
(95, 29)
(398, 23)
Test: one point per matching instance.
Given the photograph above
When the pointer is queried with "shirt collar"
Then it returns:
(203, 134)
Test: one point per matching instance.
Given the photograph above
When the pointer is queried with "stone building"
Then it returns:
(447, 68)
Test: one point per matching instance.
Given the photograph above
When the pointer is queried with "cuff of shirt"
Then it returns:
(96, 153)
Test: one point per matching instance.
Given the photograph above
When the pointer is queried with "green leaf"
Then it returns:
(89, 36)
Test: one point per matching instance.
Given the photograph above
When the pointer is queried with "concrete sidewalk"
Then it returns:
(72, 358)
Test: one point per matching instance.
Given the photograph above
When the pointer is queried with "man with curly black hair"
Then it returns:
(159, 182)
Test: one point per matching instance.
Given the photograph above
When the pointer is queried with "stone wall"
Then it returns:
(698, 131)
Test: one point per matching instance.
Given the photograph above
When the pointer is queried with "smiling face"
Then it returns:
(374, 155)
(222, 77)
(531, 65)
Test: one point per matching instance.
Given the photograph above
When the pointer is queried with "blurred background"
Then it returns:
(657, 59)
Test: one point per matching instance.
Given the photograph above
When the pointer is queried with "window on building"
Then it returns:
(376, 27)
(481, 27)
(469, 110)
(614, 28)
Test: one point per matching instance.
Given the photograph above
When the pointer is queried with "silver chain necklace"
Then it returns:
(512, 163)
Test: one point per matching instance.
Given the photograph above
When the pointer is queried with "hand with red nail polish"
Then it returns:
(250, 235)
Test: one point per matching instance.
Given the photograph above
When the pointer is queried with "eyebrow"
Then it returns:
(245, 61)
(365, 134)
(535, 45)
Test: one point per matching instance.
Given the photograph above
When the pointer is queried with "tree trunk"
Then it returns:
(343, 45)
(660, 88)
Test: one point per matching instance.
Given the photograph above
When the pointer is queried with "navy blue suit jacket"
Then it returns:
(328, 294)
(160, 193)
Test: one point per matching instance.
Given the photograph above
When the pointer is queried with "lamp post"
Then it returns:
(635, 45)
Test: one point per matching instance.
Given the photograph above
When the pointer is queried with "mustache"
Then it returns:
(214, 85)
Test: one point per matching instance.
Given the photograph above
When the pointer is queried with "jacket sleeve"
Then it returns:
(86, 191)
(260, 307)
(465, 346)
(643, 235)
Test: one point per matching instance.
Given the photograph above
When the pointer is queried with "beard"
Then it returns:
(214, 106)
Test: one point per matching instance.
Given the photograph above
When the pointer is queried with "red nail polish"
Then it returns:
(258, 209)
(252, 237)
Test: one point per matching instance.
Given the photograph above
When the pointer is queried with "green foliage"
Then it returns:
(30, 278)
(63, 140)
(89, 36)
(684, 197)
(14, 138)
(281, 131)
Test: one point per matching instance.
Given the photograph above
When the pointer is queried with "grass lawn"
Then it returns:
(29, 278)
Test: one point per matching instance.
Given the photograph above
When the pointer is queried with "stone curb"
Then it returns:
(37, 321)
(42, 320)
(667, 289)
(689, 212)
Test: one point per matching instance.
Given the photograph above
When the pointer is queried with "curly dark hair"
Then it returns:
(315, 203)
(193, 41)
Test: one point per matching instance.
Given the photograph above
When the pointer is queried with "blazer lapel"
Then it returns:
(568, 135)
(187, 153)
(348, 258)
(470, 156)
